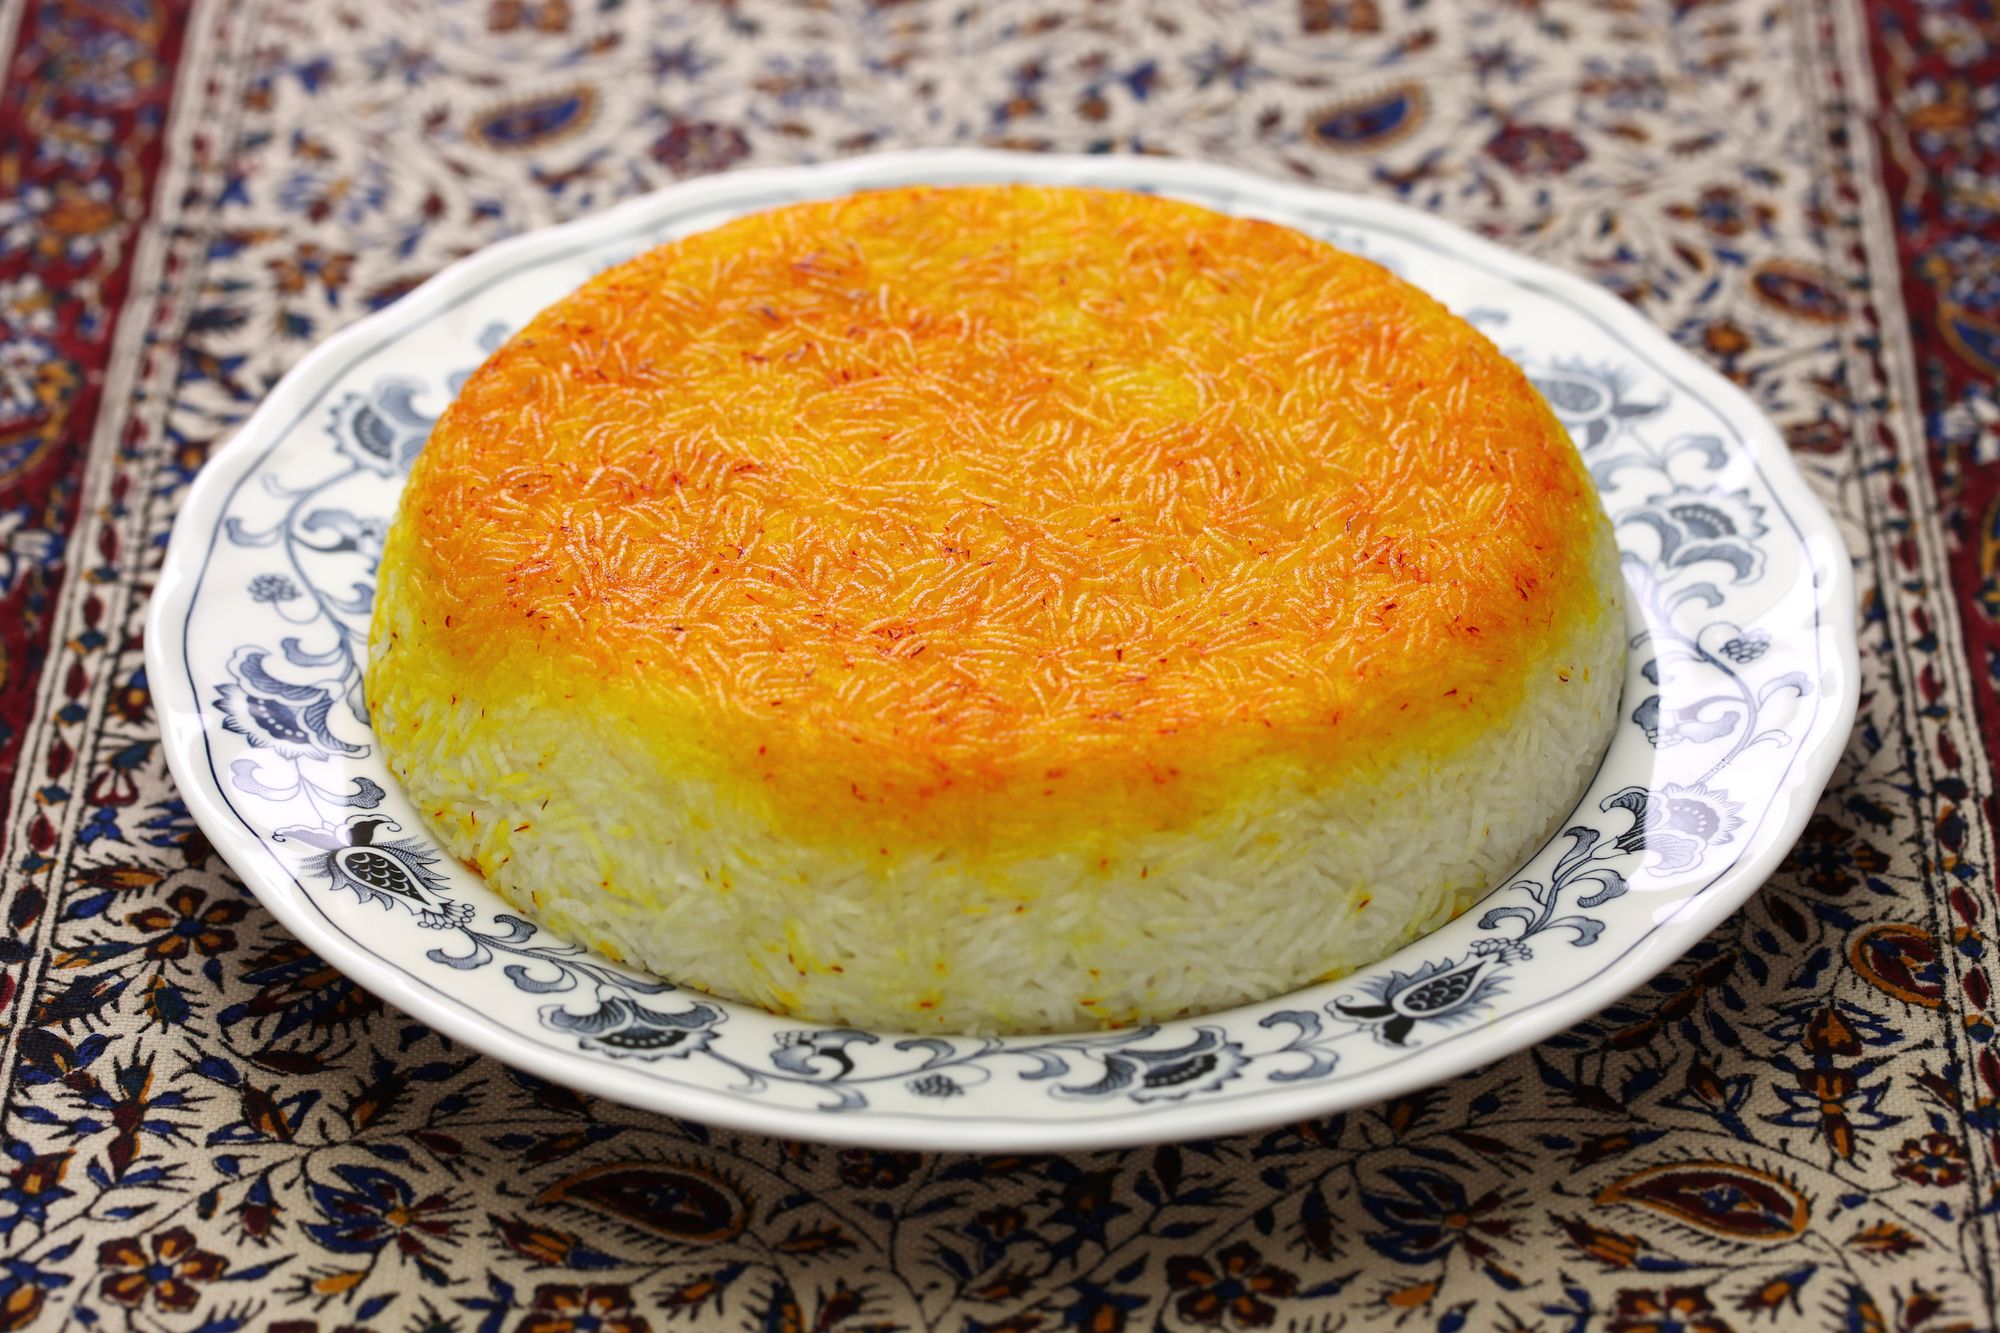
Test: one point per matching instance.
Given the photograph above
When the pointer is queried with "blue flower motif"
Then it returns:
(394, 872)
(32, 1187)
(273, 588)
(1676, 824)
(1747, 647)
(623, 1028)
(1435, 992)
(1703, 525)
(273, 714)
(1428, 1216)
(1200, 1065)
(1590, 400)
(1833, 1102)
(383, 432)
(378, 1209)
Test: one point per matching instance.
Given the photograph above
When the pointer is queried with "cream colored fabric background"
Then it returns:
(1790, 1129)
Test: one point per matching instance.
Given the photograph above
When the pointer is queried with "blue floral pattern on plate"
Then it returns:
(1739, 688)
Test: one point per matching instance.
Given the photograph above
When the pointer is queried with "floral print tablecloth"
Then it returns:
(206, 1128)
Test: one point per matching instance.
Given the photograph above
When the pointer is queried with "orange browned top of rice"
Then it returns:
(932, 510)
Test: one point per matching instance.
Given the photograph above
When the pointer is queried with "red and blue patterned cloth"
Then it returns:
(1797, 1127)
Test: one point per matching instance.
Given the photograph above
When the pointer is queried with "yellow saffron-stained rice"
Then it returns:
(996, 609)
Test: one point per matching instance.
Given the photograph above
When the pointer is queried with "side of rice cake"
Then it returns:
(996, 609)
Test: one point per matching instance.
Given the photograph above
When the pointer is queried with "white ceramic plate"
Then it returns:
(1739, 698)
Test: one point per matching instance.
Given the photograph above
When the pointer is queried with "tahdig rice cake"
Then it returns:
(996, 609)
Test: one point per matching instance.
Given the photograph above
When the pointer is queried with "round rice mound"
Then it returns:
(1206, 613)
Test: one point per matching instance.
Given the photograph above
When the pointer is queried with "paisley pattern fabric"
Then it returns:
(207, 1128)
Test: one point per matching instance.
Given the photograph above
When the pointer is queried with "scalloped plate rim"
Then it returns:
(185, 741)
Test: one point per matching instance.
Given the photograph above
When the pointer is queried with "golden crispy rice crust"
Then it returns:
(972, 513)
